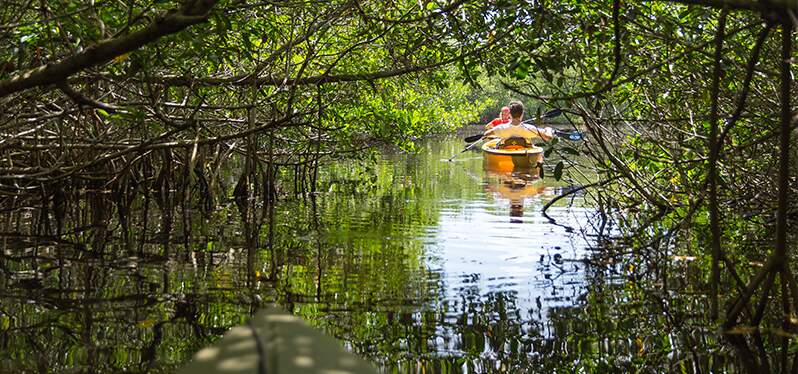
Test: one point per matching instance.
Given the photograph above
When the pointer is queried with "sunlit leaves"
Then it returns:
(405, 111)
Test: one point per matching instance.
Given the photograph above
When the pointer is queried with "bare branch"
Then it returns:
(80, 99)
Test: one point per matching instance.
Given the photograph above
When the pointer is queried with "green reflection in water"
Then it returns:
(415, 263)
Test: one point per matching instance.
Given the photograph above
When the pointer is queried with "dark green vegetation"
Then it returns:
(118, 111)
(423, 264)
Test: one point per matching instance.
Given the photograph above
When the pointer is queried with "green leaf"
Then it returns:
(558, 170)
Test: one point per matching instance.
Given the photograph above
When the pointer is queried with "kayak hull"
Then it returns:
(511, 159)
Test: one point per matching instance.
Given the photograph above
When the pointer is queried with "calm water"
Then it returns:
(415, 263)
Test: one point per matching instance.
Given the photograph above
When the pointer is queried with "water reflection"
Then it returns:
(516, 187)
(417, 264)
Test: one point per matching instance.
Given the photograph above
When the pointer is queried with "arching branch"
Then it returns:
(81, 99)
(192, 12)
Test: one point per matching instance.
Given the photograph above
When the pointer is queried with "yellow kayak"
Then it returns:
(512, 156)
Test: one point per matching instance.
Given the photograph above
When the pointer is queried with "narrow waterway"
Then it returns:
(415, 263)
(467, 266)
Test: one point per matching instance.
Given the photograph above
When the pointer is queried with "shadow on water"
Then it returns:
(416, 264)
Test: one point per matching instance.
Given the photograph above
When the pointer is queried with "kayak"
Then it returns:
(514, 155)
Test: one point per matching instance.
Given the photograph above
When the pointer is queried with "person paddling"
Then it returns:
(517, 129)
(504, 117)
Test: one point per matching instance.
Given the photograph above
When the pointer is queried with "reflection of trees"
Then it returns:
(85, 301)
(103, 316)
(474, 331)
(148, 300)
(626, 323)
(140, 283)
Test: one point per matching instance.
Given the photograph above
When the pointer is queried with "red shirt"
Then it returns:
(497, 122)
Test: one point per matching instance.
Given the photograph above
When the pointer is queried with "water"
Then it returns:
(464, 267)
(413, 262)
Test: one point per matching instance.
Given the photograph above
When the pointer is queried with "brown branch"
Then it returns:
(81, 99)
(593, 129)
(749, 74)
(575, 190)
(175, 80)
(616, 28)
(778, 259)
(763, 300)
(58, 172)
(736, 307)
(192, 12)
(784, 154)
(714, 147)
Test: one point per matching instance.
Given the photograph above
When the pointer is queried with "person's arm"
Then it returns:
(545, 133)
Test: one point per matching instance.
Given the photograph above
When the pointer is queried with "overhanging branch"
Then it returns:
(192, 12)
(175, 80)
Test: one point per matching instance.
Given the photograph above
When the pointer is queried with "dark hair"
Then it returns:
(516, 109)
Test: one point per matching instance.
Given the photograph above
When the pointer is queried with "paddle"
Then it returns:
(550, 114)
(466, 148)
(570, 135)
(472, 138)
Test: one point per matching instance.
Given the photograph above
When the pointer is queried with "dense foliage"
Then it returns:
(96, 90)
(687, 104)
(689, 112)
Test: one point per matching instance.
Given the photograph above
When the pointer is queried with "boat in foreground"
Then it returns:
(513, 155)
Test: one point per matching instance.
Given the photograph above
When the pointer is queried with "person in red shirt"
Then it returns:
(504, 117)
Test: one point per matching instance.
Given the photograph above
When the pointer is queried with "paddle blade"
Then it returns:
(552, 113)
(570, 135)
(472, 138)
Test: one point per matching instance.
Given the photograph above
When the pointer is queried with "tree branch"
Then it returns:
(81, 99)
(749, 74)
(714, 148)
(248, 80)
(192, 12)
